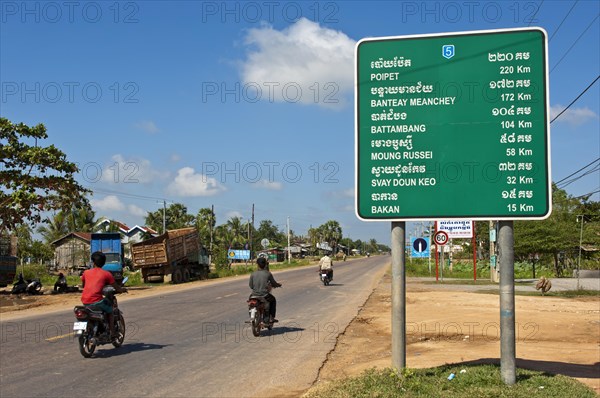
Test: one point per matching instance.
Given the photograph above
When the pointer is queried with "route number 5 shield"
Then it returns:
(448, 51)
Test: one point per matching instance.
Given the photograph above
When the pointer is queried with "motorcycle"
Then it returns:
(324, 277)
(258, 308)
(31, 286)
(92, 326)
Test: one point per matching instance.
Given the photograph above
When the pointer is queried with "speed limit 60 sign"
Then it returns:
(440, 238)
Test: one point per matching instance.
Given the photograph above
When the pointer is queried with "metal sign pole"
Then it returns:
(506, 262)
(398, 295)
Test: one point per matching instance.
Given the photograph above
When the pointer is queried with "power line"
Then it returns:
(575, 100)
(595, 169)
(575, 42)
(561, 22)
(128, 195)
(584, 167)
(587, 194)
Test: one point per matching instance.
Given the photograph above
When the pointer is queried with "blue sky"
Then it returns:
(239, 103)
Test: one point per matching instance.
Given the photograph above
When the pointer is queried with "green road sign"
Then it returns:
(453, 125)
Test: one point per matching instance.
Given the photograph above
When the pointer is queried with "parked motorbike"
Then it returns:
(29, 286)
(92, 325)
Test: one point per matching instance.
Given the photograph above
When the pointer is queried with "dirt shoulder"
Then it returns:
(445, 326)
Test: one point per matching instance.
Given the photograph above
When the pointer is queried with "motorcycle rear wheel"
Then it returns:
(87, 345)
(120, 329)
(256, 326)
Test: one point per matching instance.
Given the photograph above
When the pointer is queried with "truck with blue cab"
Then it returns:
(110, 244)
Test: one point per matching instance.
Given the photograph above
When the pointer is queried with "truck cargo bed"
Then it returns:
(179, 245)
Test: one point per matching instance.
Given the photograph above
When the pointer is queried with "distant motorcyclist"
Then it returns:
(94, 280)
(326, 264)
(261, 282)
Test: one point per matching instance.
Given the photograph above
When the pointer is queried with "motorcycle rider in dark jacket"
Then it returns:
(261, 282)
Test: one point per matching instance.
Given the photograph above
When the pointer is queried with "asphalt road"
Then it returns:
(193, 343)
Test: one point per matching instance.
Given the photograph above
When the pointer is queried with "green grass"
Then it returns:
(480, 381)
(560, 294)
(242, 269)
(464, 269)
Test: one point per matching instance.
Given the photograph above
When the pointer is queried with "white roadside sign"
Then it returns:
(456, 228)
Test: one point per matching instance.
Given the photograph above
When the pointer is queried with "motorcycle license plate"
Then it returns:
(323, 275)
(79, 327)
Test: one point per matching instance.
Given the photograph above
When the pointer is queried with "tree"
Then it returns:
(348, 243)
(313, 239)
(331, 232)
(238, 232)
(54, 227)
(27, 247)
(373, 246)
(82, 219)
(205, 223)
(176, 216)
(222, 238)
(557, 237)
(267, 230)
(33, 179)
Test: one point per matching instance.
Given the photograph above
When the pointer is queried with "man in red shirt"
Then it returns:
(94, 280)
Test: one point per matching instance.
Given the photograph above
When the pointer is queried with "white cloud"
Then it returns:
(147, 126)
(349, 193)
(136, 211)
(189, 183)
(270, 185)
(107, 204)
(304, 63)
(131, 171)
(340, 194)
(573, 116)
(231, 214)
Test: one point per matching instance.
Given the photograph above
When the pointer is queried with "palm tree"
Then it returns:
(373, 246)
(205, 223)
(237, 230)
(54, 227)
(313, 236)
(332, 233)
(175, 216)
(82, 219)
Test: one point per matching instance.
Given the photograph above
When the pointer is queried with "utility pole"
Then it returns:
(580, 243)
(210, 228)
(288, 236)
(164, 216)
(252, 231)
